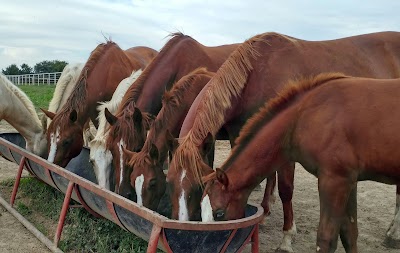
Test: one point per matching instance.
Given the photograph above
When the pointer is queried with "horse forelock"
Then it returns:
(132, 95)
(293, 89)
(21, 96)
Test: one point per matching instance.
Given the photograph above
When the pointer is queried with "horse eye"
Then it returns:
(66, 142)
(219, 214)
(152, 182)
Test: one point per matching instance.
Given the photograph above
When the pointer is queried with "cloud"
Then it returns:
(32, 31)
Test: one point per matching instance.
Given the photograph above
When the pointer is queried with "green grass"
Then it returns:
(82, 231)
(39, 94)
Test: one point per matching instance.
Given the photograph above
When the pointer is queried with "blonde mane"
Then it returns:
(21, 96)
(113, 104)
(68, 78)
(227, 83)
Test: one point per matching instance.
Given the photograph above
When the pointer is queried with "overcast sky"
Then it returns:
(32, 31)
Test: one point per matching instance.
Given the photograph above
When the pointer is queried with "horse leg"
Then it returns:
(334, 192)
(269, 194)
(349, 228)
(392, 239)
(285, 187)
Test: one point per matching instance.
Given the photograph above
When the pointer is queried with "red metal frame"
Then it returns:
(17, 180)
(159, 222)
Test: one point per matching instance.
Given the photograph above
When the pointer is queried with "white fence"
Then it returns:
(35, 79)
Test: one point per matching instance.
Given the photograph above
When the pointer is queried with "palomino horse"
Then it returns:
(254, 73)
(105, 68)
(342, 130)
(177, 58)
(17, 109)
(100, 157)
(147, 177)
(64, 87)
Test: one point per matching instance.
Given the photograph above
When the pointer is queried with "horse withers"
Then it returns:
(341, 129)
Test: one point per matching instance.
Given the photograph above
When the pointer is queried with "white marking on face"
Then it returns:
(138, 187)
(102, 159)
(318, 248)
(183, 210)
(286, 244)
(54, 138)
(206, 210)
(121, 160)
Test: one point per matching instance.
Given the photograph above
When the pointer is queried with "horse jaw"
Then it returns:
(206, 210)
(138, 187)
(54, 138)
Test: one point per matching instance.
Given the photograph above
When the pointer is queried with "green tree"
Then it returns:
(50, 66)
(25, 69)
(11, 70)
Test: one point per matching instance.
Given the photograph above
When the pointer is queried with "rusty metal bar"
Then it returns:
(255, 243)
(63, 213)
(228, 241)
(17, 180)
(154, 237)
(90, 210)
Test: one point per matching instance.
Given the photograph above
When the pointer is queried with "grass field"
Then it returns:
(41, 205)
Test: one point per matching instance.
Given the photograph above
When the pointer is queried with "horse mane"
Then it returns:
(21, 96)
(172, 99)
(134, 92)
(76, 100)
(293, 89)
(69, 76)
(228, 82)
(125, 129)
(113, 104)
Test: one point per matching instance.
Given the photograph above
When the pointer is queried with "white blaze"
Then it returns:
(183, 210)
(138, 187)
(54, 138)
(206, 210)
(103, 160)
(121, 159)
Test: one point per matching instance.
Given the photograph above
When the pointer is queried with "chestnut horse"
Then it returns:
(65, 84)
(177, 58)
(254, 73)
(341, 129)
(100, 157)
(17, 109)
(105, 68)
(146, 167)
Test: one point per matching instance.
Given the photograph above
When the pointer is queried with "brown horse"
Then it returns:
(146, 167)
(254, 73)
(105, 68)
(177, 58)
(342, 130)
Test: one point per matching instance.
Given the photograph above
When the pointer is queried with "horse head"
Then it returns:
(101, 159)
(188, 165)
(218, 202)
(64, 137)
(127, 130)
(147, 176)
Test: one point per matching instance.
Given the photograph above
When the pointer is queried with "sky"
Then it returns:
(68, 30)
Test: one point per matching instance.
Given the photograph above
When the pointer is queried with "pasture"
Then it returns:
(41, 205)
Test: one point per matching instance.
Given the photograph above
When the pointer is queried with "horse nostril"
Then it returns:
(219, 214)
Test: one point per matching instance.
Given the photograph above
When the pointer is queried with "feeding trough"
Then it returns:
(78, 182)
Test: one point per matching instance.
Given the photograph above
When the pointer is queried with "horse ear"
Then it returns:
(127, 153)
(110, 117)
(222, 177)
(48, 113)
(43, 121)
(208, 143)
(172, 143)
(154, 152)
(73, 116)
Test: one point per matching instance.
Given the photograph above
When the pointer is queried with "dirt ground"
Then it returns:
(376, 203)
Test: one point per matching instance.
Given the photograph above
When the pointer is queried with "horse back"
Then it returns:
(141, 56)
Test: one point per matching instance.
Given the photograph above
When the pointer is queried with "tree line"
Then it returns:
(41, 67)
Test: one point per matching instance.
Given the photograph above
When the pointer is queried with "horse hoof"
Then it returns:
(391, 243)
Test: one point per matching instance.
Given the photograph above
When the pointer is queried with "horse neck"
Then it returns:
(260, 154)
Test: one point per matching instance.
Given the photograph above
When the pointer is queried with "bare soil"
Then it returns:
(376, 203)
